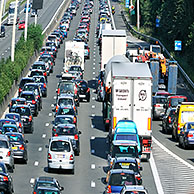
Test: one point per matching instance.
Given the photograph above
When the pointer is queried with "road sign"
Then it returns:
(178, 45)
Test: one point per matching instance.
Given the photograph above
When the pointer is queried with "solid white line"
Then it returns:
(93, 166)
(50, 114)
(32, 181)
(46, 124)
(156, 176)
(173, 155)
(40, 149)
(93, 184)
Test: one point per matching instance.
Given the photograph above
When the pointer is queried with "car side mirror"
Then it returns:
(26, 141)
(46, 146)
(141, 168)
(61, 188)
(79, 132)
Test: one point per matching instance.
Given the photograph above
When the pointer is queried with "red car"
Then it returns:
(21, 25)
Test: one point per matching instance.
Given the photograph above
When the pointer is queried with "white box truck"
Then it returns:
(74, 54)
(113, 43)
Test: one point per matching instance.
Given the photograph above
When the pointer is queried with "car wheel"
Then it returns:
(180, 145)
(11, 169)
(49, 170)
(72, 171)
(45, 95)
(88, 99)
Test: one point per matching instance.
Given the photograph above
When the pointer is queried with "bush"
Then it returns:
(10, 71)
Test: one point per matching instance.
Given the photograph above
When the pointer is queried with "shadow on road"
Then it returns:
(97, 121)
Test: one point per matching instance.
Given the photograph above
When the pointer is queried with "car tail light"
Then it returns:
(8, 154)
(66, 71)
(108, 189)
(21, 147)
(20, 125)
(49, 156)
(10, 104)
(54, 129)
(44, 85)
(71, 157)
(56, 135)
(88, 90)
(57, 108)
(147, 142)
(178, 127)
(169, 119)
(138, 177)
(189, 135)
(76, 137)
(20, 89)
(34, 192)
(30, 118)
(74, 120)
(45, 74)
(58, 91)
(33, 102)
(156, 105)
(4, 178)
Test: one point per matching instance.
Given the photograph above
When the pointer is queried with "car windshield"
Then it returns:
(124, 151)
(3, 144)
(126, 165)
(65, 130)
(36, 73)
(45, 191)
(12, 116)
(60, 146)
(63, 120)
(82, 84)
(23, 111)
(66, 87)
(28, 97)
(45, 184)
(38, 66)
(176, 101)
(126, 137)
(15, 138)
(65, 111)
(65, 102)
(119, 179)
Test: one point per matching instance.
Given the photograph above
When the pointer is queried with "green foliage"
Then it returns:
(10, 71)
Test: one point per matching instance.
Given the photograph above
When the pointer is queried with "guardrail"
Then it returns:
(148, 39)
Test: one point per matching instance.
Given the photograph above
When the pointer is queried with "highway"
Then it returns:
(176, 176)
(44, 17)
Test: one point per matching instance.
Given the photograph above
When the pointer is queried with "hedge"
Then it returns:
(24, 50)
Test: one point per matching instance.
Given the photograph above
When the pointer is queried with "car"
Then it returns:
(9, 128)
(186, 136)
(83, 90)
(49, 62)
(53, 38)
(128, 164)
(14, 102)
(7, 121)
(17, 118)
(48, 190)
(31, 101)
(61, 154)
(76, 70)
(69, 130)
(168, 119)
(46, 182)
(2, 32)
(18, 146)
(23, 81)
(37, 72)
(6, 154)
(48, 50)
(42, 66)
(134, 189)
(35, 87)
(42, 83)
(119, 178)
(86, 51)
(26, 117)
(21, 25)
(6, 181)
(158, 107)
(34, 12)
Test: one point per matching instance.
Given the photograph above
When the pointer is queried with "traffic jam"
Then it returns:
(129, 138)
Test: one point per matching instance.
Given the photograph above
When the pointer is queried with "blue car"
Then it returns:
(6, 121)
(64, 30)
(29, 8)
(9, 128)
(119, 178)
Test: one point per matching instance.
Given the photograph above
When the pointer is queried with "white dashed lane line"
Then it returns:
(94, 68)
(93, 184)
(40, 149)
(92, 137)
(44, 136)
(36, 163)
(46, 124)
(93, 106)
(32, 180)
(93, 98)
(93, 166)
(50, 114)
(93, 73)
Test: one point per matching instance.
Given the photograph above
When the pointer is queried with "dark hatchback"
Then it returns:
(83, 90)
(16, 101)
(23, 81)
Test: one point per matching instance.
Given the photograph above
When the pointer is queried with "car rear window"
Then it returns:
(6, 129)
(60, 146)
(33, 73)
(24, 81)
(17, 102)
(15, 138)
(65, 102)
(6, 122)
(63, 120)
(177, 101)
(66, 87)
(65, 130)
(124, 151)
(38, 66)
(126, 137)
(23, 111)
(39, 79)
(3, 144)
(159, 100)
(122, 179)
(65, 111)
(74, 68)
(126, 165)
(28, 97)
(14, 117)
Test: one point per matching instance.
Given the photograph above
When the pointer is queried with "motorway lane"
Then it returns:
(44, 17)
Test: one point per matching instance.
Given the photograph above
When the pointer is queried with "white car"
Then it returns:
(6, 154)
(61, 154)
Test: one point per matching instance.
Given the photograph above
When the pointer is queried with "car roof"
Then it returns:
(39, 62)
(12, 113)
(3, 137)
(47, 179)
(47, 187)
(11, 120)
(66, 107)
(27, 78)
(33, 83)
(10, 125)
(134, 187)
(114, 171)
(14, 133)
(63, 95)
(22, 106)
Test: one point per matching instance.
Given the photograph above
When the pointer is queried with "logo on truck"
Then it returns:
(142, 95)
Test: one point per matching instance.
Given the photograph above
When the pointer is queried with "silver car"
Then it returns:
(134, 189)
(60, 154)
(6, 154)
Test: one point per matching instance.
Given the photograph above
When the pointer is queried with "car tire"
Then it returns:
(49, 169)
(11, 169)
(72, 171)
(88, 99)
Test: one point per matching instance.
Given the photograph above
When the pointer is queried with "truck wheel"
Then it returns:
(148, 156)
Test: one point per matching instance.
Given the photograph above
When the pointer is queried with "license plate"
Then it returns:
(82, 96)
(14, 148)
(125, 164)
(60, 156)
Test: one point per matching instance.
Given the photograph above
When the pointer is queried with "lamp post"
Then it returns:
(26, 21)
(138, 20)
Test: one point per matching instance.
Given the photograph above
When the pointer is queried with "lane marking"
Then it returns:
(93, 106)
(93, 73)
(36, 163)
(94, 63)
(40, 149)
(93, 184)
(55, 97)
(50, 114)
(93, 98)
(43, 135)
(93, 78)
(52, 105)
(94, 59)
(92, 151)
(32, 180)
(46, 124)
(93, 91)
(93, 166)
(94, 68)
(92, 137)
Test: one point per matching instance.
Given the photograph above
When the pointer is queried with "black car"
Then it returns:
(35, 87)
(66, 110)
(71, 131)
(26, 117)
(31, 100)
(167, 121)
(14, 102)
(42, 66)
(46, 182)
(23, 81)
(2, 32)
(6, 182)
(38, 72)
(83, 90)
(19, 147)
